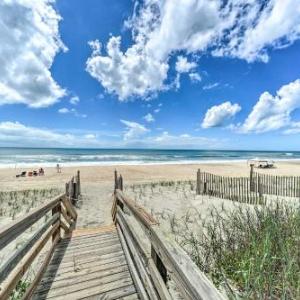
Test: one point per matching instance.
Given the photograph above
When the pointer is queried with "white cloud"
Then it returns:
(72, 111)
(218, 115)
(133, 73)
(64, 110)
(195, 77)
(16, 133)
(274, 112)
(211, 86)
(74, 100)
(157, 110)
(183, 65)
(245, 29)
(149, 118)
(90, 136)
(133, 130)
(272, 24)
(29, 42)
(183, 141)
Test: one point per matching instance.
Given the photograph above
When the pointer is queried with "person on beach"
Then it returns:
(58, 168)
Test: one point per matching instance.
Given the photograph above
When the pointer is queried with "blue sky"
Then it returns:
(155, 74)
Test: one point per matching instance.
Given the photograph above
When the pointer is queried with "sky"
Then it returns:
(188, 74)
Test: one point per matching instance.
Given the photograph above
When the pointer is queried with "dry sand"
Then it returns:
(97, 182)
(173, 206)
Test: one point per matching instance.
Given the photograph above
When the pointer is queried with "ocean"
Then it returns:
(46, 157)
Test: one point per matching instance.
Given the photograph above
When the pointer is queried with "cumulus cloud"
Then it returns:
(195, 77)
(133, 73)
(15, 133)
(134, 130)
(183, 65)
(245, 29)
(74, 100)
(274, 112)
(29, 42)
(218, 115)
(149, 118)
(183, 141)
(72, 111)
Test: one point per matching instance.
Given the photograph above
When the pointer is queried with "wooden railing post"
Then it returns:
(78, 184)
(159, 265)
(116, 179)
(120, 183)
(56, 209)
(198, 183)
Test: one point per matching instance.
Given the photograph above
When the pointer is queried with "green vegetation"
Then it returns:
(20, 290)
(252, 253)
(249, 252)
(15, 202)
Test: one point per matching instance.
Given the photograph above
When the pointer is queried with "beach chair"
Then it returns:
(23, 174)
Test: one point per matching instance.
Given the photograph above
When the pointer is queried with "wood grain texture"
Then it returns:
(90, 264)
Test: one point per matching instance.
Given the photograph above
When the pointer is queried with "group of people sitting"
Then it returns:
(40, 172)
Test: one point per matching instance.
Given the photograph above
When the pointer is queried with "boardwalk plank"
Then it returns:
(91, 266)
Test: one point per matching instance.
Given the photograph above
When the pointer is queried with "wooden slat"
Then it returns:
(11, 281)
(70, 208)
(88, 231)
(85, 263)
(140, 213)
(135, 276)
(88, 288)
(19, 254)
(38, 276)
(193, 284)
(11, 231)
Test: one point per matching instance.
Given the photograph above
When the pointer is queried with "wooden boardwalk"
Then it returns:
(89, 264)
(131, 259)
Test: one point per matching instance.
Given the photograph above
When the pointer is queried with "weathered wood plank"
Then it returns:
(11, 281)
(11, 231)
(94, 274)
(60, 275)
(87, 263)
(135, 276)
(38, 276)
(7, 267)
(91, 287)
(192, 282)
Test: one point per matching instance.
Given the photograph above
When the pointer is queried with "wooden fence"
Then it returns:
(232, 188)
(73, 188)
(252, 190)
(286, 186)
(63, 218)
(153, 259)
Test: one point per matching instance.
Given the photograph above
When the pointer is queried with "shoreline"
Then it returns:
(136, 163)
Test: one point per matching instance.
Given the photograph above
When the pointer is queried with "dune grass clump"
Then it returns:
(253, 253)
(13, 203)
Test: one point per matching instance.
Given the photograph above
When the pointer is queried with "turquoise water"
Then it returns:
(49, 157)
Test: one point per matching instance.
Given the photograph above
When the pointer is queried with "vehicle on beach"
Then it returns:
(262, 163)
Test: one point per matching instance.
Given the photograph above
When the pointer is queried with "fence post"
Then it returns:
(251, 178)
(259, 189)
(198, 189)
(120, 184)
(78, 184)
(116, 179)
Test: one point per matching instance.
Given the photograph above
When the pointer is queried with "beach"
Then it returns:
(98, 181)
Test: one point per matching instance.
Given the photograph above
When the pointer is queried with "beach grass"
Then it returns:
(248, 251)
(252, 253)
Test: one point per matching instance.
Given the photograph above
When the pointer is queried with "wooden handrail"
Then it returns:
(17, 265)
(167, 259)
(13, 230)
